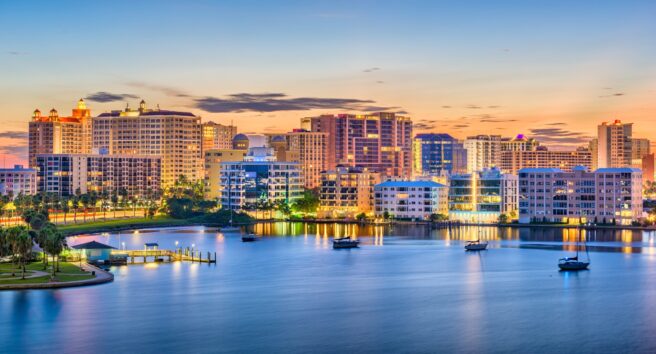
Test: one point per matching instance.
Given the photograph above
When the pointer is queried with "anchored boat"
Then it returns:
(475, 245)
(574, 263)
(345, 242)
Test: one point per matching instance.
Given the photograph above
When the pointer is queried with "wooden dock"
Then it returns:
(156, 255)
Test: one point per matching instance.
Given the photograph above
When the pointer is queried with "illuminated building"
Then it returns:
(512, 161)
(173, 136)
(240, 142)
(347, 191)
(218, 136)
(483, 152)
(65, 174)
(259, 178)
(481, 197)
(309, 149)
(614, 146)
(607, 195)
(380, 142)
(640, 148)
(410, 199)
(519, 143)
(438, 153)
(55, 134)
(648, 167)
(213, 160)
(17, 180)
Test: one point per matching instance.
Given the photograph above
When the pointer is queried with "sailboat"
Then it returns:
(231, 227)
(574, 263)
(476, 245)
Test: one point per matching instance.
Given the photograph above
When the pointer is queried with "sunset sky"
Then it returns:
(549, 69)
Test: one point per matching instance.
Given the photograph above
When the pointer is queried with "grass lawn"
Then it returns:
(119, 224)
(38, 280)
(71, 270)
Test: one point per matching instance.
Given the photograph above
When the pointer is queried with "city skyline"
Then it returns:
(471, 68)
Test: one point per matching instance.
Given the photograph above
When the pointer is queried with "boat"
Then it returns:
(249, 238)
(574, 263)
(345, 242)
(475, 245)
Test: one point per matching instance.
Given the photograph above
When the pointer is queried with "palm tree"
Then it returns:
(42, 237)
(22, 248)
(54, 245)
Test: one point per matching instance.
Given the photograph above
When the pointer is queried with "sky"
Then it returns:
(552, 70)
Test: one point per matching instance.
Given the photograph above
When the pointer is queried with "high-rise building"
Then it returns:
(519, 143)
(213, 160)
(218, 136)
(514, 160)
(483, 152)
(411, 199)
(438, 153)
(607, 195)
(55, 134)
(174, 136)
(17, 180)
(347, 191)
(379, 142)
(66, 174)
(640, 148)
(312, 152)
(647, 167)
(482, 196)
(593, 146)
(614, 146)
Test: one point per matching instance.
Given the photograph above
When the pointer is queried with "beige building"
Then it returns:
(640, 148)
(514, 160)
(614, 146)
(17, 180)
(218, 136)
(213, 160)
(55, 134)
(346, 192)
(311, 148)
(519, 143)
(483, 151)
(174, 136)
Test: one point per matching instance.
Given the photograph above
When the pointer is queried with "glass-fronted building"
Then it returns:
(435, 154)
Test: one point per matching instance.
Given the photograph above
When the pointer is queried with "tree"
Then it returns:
(65, 207)
(386, 215)
(439, 217)
(361, 217)
(54, 245)
(114, 200)
(42, 239)
(308, 203)
(22, 247)
(503, 219)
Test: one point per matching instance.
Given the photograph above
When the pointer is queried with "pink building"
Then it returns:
(607, 195)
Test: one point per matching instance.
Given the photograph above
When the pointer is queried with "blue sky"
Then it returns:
(461, 67)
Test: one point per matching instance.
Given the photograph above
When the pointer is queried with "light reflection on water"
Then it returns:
(407, 289)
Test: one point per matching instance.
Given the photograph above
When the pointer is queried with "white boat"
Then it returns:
(574, 263)
(475, 245)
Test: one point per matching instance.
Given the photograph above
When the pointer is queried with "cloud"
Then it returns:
(473, 106)
(380, 82)
(460, 126)
(493, 107)
(559, 136)
(274, 102)
(370, 70)
(446, 106)
(167, 90)
(14, 134)
(15, 52)
(617, 94)
(556, 124)
(103, 96)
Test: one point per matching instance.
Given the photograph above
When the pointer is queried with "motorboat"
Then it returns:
(345, 242)
(475, 245)
(249, 238)
(572, 263)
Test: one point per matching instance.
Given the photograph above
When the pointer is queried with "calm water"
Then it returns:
(407, 289)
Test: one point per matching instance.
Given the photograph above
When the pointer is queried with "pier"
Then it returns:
(157, 255)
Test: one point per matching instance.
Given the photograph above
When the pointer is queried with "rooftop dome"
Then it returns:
(240, 137)
(278, 139)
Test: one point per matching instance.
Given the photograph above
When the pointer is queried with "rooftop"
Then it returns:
(430, 184)
(93, 245)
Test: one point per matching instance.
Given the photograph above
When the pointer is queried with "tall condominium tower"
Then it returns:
(380, 142)
(218, 136)
(174, 136)
(437, 153)
(55, 134)
(311, 149)
(483, 152)
(614, 146)
(519, 143)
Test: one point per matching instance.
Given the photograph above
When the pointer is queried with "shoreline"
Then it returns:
(102, 277)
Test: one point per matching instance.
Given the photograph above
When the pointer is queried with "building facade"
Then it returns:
(380, 142)
(17, 180)
(482, 196)
(245, 183)
(347, 191)
(410, 199)
(68, 174)
(514, 160)
(483, 152)
(213, 160)
(434, 154)
(607, 195)
(55, 134)
(217, 136)
(312, 152)
(614, 144)
(519, 143)
(173, 136)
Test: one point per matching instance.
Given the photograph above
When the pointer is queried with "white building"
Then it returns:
(483, 151)
(482, 197)
(17, 180)
(410, 199)
(607, 195)
(614, 145)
